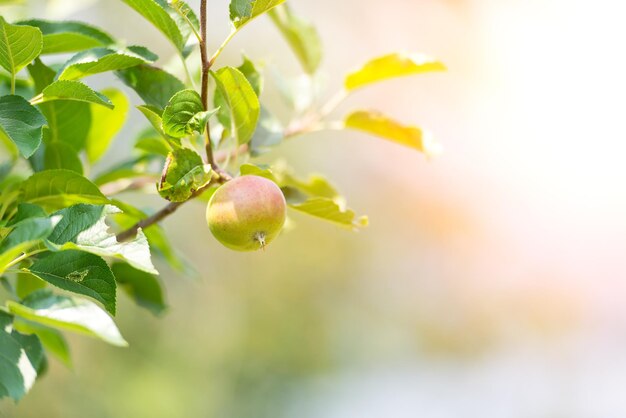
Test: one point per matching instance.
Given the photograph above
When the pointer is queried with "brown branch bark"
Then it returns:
(222, 177)
(150, 220)
(204, 88)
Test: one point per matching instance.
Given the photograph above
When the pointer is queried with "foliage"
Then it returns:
(66, 241)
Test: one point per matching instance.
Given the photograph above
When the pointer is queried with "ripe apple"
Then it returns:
(246, 213)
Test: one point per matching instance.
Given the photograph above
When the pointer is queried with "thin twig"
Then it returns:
(333, 103)
(150, 220)
(124, 185)
(203, 55)
(222, 177)
(204, 93)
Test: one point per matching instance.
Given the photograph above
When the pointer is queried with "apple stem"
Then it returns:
(260, 238)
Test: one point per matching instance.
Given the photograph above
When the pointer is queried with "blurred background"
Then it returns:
(490, 282)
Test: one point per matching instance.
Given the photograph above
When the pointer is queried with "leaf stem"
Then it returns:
(314, 121)
(12, 83)
(222, 46)
(123, 185)
(37, 99)
(187, 73)
(333, 103)
(193, 28)
(292, 132)
(24, 256)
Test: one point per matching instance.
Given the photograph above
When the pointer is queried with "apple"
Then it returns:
(246, 213)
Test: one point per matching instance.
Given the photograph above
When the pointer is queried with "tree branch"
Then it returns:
(150, 220)
(204, 92)
(222, 177)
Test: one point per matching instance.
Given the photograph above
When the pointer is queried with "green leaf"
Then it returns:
(314, 186)
(83, 227)
(240, 100)
(390, 66)
(159, 243)
(142, 52)
(243, 11)
(19, 45)
(184, 174)
(28, 231)
(249, 71)
(75, 220)
(26, 234)
(134, 167)
(73, 90)
(152, 84)
(269, 133)
(252, 74)
(99, 60)
(155, 116)
(22, 123)
(26, 284)
(185, 114)
(5, 172)
(328, 210)
(105, 124)
(68, 36)
(70, 314)
(6, 167)
(301, 36)
(157, 13)
(68, 120)
(295, 189)
(21, 357)
(255, 170)
(144, 288)
(56, 189)
(51, 339)
(41, 74)
(376, 123)
(182, 23)
(26, 211)
(153, 144)
(60, 155)
(78, 272)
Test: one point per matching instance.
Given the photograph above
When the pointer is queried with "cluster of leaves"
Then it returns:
(61, 261)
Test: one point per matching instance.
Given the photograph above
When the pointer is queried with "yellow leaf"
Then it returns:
(329, 210)
(380, 125)
(390, 66)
